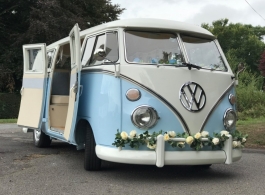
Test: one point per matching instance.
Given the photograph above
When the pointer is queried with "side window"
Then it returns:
(106, 42)
(34, 61)
(112, 49)
(100, 44)
(63, 58)
(50, 55)
(88, 51)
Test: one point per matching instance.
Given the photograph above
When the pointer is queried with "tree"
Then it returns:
(262, 64)
(241, 43)
(38, 21)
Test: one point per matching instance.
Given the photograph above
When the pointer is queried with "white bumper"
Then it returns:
(160, 157)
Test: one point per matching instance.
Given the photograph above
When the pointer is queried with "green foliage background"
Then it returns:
(242, 44)
(9, 105)
(42, 21)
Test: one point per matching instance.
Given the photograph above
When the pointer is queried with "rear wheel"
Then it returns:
(207, 166)
(92, 162)
(41, 140)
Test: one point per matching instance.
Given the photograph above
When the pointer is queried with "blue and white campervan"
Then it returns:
(127, 80)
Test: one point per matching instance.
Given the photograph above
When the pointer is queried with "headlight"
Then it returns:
(144, 117)
(229, 119)
(232, 99)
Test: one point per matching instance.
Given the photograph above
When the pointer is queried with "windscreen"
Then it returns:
(203, 53)
(152, 48)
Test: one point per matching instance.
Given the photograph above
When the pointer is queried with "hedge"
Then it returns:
(9, 105)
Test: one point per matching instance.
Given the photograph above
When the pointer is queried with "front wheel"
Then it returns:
(92, 162)
(41, 140)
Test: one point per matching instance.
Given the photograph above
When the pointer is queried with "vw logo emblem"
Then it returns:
(192, 96)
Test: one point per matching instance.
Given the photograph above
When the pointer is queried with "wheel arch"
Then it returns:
(80, 131)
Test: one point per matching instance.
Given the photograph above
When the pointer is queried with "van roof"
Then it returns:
(146, 23)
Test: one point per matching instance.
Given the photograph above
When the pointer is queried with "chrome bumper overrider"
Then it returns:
(160, 157)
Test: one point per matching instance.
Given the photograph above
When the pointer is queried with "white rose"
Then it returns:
(205, 134)
(234, 144)
(166, 137)
(151, 147)
(238, 143)
(124, 135)
(172, 133)
(215, 141)
(197, 135)
(181, 144)
(133, 133)
(244, 140)
(189, 140)
(224, 133)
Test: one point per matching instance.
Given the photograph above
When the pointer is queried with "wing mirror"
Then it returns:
(100, 54)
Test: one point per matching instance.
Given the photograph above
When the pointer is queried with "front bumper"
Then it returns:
(160, 157)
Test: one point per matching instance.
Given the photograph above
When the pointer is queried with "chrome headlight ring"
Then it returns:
(144, 117)
(229, 119)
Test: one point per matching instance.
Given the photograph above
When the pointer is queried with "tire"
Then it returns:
(41, 140)
(91, 162)
(207, 166)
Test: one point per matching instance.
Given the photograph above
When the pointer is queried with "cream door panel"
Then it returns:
(33, 87)
(75, 49)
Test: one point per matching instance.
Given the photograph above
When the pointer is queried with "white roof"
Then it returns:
(147, 23)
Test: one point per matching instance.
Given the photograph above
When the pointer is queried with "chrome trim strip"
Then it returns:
(98, 71)
(216, 104)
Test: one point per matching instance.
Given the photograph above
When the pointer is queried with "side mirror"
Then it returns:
(100, 54)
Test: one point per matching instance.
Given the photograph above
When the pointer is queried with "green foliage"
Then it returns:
(250, 96)
(9, 105)
(42, 21)
(194, 141)
(262, 64)
(241, 43)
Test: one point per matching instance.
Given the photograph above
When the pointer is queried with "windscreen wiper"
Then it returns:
(191, 66)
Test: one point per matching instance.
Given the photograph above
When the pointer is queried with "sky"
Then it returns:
(196, 11)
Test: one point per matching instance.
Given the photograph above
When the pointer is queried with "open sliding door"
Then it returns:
(75, 49)
(34, 86)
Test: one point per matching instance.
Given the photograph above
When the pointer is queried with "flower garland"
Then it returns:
(194, 141)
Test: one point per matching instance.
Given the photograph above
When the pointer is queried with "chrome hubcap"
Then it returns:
(37, 134)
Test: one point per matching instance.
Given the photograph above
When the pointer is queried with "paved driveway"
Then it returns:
(25, 169)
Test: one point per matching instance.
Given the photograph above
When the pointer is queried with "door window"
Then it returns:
(105, 42)
(34, 60)
(99, 45)
(112, 49)
(88, 51)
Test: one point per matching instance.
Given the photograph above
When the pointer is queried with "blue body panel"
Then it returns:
(215, 123)
(100, 105)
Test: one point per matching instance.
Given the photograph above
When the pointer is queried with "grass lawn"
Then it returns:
(255, 128)
(8, 121)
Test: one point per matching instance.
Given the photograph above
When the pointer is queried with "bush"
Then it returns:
(250, 97)
(9, 105)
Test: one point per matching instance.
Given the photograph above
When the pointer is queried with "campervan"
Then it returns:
(138, 91)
